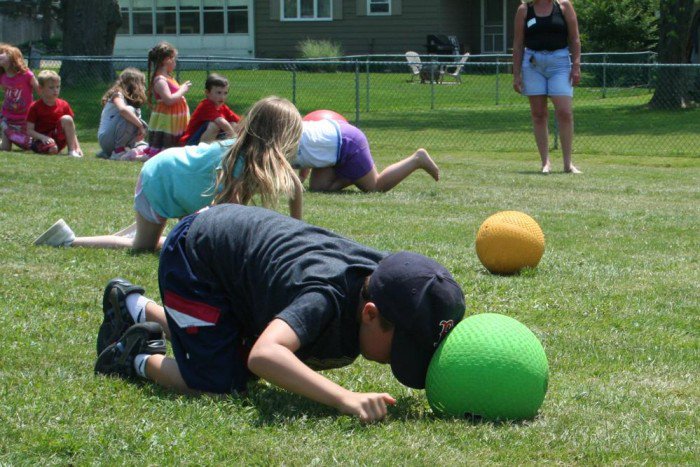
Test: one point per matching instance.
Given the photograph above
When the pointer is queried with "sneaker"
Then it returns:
(118, 358)
(117, 318)
(102, 155)
(58, 234)
(74, 153)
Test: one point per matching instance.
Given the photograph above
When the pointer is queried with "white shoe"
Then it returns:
(74, 154)
(58, 234)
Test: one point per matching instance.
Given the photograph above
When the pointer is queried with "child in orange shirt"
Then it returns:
(50, 119)
(212, 119)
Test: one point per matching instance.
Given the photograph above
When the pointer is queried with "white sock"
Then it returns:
(140, 364)
(136, 305)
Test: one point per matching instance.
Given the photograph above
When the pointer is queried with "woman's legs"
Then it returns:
(148, 237)
(540, 117)
(563, 111)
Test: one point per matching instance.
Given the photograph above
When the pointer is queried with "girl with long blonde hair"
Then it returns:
(183, 180)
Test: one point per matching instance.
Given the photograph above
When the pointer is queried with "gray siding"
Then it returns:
(360, 34)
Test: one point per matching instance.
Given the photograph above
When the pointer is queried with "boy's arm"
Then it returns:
(36, 135)
(225, 127)
(272, 358)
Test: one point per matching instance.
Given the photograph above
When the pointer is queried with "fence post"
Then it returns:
(432, 85)
(498, 69)
(357, 92)
(605, 70)
(367, 84)
(294, 84)
(208, 68)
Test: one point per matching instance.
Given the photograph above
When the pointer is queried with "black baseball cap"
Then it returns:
(423, 302)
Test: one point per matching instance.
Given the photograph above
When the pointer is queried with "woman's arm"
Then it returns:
(519, 46)
(567, 10)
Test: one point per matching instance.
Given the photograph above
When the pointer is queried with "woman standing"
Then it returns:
(547, 63)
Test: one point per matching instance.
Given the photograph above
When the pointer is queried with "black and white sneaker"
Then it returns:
(117, 318)
(118, 358)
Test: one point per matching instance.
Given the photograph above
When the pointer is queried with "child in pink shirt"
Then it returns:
(18, 82)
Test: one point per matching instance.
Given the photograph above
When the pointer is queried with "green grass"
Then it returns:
(614, 300)
(482, 114)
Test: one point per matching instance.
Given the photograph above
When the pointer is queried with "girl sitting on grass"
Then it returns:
(121, 127)
(182, 180)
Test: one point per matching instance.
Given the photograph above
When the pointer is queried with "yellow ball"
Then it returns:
(509, 241)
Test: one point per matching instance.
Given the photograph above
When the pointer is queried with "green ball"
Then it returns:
(490, 366)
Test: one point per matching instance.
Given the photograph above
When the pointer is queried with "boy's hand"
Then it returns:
(46, 140)
(367, 406)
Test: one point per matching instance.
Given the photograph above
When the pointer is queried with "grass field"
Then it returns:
(614, 300)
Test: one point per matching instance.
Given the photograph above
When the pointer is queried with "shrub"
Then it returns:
(311, 49)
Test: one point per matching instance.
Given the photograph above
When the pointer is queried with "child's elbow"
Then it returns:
(258, 359)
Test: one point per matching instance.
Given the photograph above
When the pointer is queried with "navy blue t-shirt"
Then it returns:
(273, 266)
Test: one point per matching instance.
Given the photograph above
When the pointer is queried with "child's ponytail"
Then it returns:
(259, 161)
(156, 56)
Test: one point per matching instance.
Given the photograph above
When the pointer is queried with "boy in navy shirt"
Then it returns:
(246, 289)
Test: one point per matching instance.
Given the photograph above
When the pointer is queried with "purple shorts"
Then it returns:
(355, 161)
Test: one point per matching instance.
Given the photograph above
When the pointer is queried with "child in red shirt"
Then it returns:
(212, 119)
(50, 119)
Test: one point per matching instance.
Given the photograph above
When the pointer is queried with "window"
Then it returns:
(189, 16)
(306, 10)
(213, 17)
(142, 16)
(493, 26)
(125, 27)
(166, 17)
(238, 20)
(378, 7)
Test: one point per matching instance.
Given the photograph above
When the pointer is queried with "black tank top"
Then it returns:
(546, 32)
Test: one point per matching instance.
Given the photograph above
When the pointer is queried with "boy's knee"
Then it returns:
(67, 121)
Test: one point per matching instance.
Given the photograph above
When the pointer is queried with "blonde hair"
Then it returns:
(268, 139)
(48, 76)
(14, 55)
(156, 56)
(131, 84)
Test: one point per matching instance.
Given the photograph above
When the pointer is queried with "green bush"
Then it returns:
(311, 49)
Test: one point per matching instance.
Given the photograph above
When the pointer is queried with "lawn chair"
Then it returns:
(457, 71)
(414, 64)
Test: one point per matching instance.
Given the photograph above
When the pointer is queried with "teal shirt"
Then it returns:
(180, 181)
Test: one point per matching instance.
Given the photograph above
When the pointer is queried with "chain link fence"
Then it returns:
(632, 106)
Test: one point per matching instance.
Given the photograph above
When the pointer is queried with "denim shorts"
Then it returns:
(547, 73)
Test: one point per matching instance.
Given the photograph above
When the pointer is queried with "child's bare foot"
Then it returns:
(572, 170)
(546, 169)
(426, 163)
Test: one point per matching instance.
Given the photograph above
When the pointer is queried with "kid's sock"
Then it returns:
(136, 305)
(140, 364)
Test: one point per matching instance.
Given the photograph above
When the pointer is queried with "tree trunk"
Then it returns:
(46, 11)
(673, 83)
(89, 28)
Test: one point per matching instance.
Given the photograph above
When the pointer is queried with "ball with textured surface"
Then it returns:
(490, 366)
(324, 114)
(509, 241)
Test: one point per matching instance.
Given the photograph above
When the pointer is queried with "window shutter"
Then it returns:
(395, 7)
(275, 10)
(337, 9)
(361, 7)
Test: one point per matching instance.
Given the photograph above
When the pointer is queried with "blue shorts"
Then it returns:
(547, 73)
(197, 135)
(354, 161)
(204, 334)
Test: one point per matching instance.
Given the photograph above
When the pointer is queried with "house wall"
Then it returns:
(358, 34)
(18, 30)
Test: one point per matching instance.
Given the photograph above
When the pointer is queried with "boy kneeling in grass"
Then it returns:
(247, 291)
(212, 119)
(50, 119)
